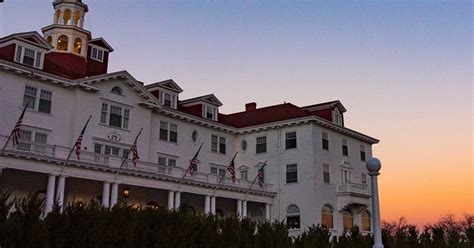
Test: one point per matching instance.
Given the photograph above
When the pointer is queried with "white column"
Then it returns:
(50, 194)
(177, 199)
(373, 166)
(213, 205)
(60, 192)
(244, 209)
(207, 204)
(239, 209)
(114, 194)
(106, 194)
(170, 200)
(267, 211)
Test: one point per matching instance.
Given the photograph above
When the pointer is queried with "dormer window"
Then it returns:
(117, 90)
(97, 54)
(29, 57)
(337, 117)
(210, 112)
(168, 99)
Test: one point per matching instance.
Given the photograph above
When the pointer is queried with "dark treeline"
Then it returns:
(90, 225)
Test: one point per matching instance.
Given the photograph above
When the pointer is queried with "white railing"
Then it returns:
(356, 188)
(28, 148)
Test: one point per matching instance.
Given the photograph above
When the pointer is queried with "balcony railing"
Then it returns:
(32, 149)
(354, 188)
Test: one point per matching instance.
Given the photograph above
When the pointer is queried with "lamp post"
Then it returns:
(373, 166)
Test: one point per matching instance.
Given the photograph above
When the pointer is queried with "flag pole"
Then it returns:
(72, 149)
(223, 176)
(10, 136)
(187, 170)
(255, 179)
(125, 158)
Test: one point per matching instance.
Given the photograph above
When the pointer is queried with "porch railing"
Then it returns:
(28, 148)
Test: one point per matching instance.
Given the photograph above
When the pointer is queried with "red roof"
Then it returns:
(264, 115)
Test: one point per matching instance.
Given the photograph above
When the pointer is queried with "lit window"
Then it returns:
(291, 173)
(67, 16)
(261, 144)
(365, 217)
(33, 95)
(114, 116)
(345, 148)
(293, 217)
(77, 48)
(62, 43)
(347, 220)
(326, 174)
(325, 141)
(326, 217)
(290, 141)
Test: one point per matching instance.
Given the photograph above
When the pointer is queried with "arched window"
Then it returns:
(116, 90)
(257, 214)
(293, 216)
(62, 43)
(50, 40)
(326, 217)
(77, 46)
(365, 217)
(56, 16)
(77, 17)
(67, 16)
(347, 219)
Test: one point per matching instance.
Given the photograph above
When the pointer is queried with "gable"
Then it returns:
(32, 38)
(101, 43)
(169, 84)
(210, 99)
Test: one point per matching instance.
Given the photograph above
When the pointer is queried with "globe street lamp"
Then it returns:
(373, 166)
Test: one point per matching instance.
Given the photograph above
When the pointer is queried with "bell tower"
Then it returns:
(67, 33)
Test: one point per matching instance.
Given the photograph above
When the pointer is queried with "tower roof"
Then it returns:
(78, 2)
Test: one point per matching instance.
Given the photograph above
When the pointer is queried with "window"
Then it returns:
(77, 48)
(218, 144)
(326, 174)
(210, 112)
(167, 100)
(217, 171)
(326, 217)
(166, 161)
(345, 176)
(28, 56)
(110, 150)
(62, 43)
(290, 141)
(244, 174)
(116, 90)
(114, 116)
(362, 153)
(291, 173)
(365, 217)
(32, 141)
(32, 94)
(293, 217)
(347, 220)
(261, 144)
(325, 141)
(345, 148)
(67, 16)
(168, 132)
(337, 117)
(97, 54)
(364, 179)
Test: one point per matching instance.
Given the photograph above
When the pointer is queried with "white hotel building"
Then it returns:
(315, 169)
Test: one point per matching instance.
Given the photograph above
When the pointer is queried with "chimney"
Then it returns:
(250, 106)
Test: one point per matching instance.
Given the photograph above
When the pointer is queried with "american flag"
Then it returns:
(78, 143)
(231, 168)
(16, 130)
(135, 157)
(194, 162)
(260, 176)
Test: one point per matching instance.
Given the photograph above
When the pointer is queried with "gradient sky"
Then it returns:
(402, 69)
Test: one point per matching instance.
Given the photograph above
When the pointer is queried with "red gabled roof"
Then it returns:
(264, 115)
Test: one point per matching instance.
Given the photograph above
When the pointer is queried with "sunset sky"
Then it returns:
(403, 70)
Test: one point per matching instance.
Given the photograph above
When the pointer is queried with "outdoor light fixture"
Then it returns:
(126, 192)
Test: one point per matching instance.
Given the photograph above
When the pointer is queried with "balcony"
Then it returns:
(352, 195)
(89, 160)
